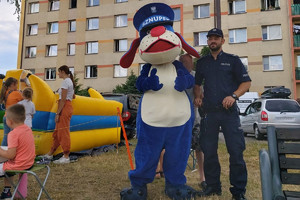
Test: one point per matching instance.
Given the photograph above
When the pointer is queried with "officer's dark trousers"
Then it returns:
(235, 143)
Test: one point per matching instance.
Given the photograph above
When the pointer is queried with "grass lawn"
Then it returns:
(102, 177)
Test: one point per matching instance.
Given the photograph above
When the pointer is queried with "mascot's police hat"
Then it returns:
(150, 16)
(153, 14)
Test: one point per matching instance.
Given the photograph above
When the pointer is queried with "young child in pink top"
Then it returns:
(21, 148)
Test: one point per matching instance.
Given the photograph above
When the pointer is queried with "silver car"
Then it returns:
(261, 113)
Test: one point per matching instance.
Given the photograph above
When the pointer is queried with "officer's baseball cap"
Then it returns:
(215, 31)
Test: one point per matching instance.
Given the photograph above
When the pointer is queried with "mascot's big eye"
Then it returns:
(148, 31)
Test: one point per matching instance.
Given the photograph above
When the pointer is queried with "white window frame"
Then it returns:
(72, 23)
(267, 32)
(177, 14)
(54, 5)
(121, 45)
(200, 38)
(298, 60)
(52, 26)
(93, 23)
(233, 5)
(266, 6)
(92, 47)
(120, 22)
(30, 52)
(121, 1)
(87, 73)
(51, 50)
(141, 67)
(120, 72)
(50, 74)
(234, 39)
(92, 3)
(72, 70)
(273, 66)
(244, 60)
(198, 13)
(33, 29)
(71, 49)
(34, 7)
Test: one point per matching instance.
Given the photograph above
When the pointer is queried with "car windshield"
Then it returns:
(282, 106)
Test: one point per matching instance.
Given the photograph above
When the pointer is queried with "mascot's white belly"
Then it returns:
(166, 107)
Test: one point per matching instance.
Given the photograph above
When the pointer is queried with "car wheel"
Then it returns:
(258, 135)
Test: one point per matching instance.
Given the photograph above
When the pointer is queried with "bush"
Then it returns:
(129, 86)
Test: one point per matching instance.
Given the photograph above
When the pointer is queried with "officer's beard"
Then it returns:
(216, 48)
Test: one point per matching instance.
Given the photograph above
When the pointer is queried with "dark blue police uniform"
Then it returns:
(221, 78)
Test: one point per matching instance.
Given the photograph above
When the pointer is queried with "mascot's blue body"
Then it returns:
(165, 117)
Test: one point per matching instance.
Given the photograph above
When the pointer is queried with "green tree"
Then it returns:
(129, 86)
(17, 5)
(78, 88)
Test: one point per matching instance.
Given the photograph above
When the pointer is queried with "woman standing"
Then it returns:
(61, 135)
(9, 96)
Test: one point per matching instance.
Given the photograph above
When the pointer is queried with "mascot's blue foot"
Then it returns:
(136, 193)
(182, 192)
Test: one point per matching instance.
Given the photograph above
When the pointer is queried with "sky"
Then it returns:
(9, 37)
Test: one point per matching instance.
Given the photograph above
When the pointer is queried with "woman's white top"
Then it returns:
(68, 85)
(29, 111)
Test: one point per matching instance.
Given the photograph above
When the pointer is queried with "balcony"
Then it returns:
(296, 9)
(296, 40)
(297, 73)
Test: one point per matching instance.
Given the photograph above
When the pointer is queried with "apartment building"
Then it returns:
(91, 36)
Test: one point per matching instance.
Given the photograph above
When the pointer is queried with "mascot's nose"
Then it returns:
(157, 31)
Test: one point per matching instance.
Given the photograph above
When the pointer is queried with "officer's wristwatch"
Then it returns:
(235, 96)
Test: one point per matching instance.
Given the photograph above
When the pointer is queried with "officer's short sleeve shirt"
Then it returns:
(221, 77)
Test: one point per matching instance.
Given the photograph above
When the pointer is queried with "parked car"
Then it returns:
(245, 100)
(130, 105)
(261, 113)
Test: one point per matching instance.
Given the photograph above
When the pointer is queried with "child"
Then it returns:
(29, 106)
(29, 112)
(21, 149)
(9, 96)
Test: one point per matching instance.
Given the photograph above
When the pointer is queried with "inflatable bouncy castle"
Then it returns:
(94, 122)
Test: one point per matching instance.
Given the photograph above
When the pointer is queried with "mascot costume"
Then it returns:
(165, 116)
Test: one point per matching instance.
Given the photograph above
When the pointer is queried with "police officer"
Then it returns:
(225, 80)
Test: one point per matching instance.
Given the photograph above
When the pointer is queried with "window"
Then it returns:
(238, 35)
(245, 62)
(176, 14)
(91, 47)
(72, 25)
(200, 38)
(31, 70)
(271, 32)
(53, 27)
(51, 50)
(237, 7)
(121, 45)
(93, 2)
(73, 3)
(72, 70)
(34, 7)
(120, 20)
(120, 1)
(71, 49)
(30, 52)
(50, 74)
(120, 71)
(92, 23)
(91, 71)
(298, 60)
(32, 29)
(272, 63)
(270, 4)
(54, 5)
(201, 11)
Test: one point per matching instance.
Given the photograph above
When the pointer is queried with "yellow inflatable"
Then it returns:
(94, 121)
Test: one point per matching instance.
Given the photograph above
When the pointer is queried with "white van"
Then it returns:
(246, 99)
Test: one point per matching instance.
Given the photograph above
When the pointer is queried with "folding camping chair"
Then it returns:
(32, 170)
(194, 159)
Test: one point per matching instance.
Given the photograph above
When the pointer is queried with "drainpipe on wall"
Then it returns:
(21, 35)
(217, 11)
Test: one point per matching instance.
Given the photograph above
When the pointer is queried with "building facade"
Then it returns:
(92, 35)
